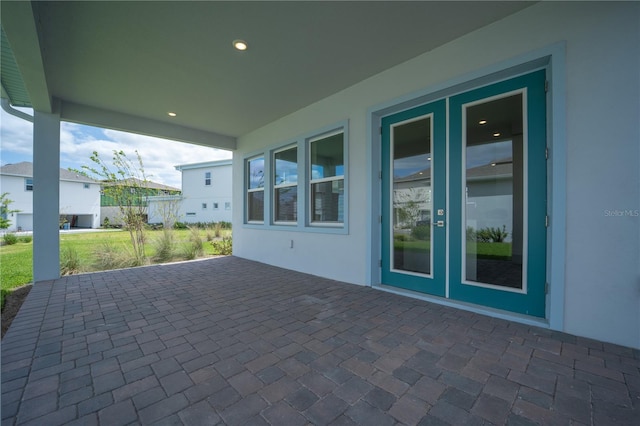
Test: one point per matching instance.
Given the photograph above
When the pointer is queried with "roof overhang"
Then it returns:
(125, 65)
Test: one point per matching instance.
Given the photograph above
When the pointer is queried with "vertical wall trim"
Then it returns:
(557, 184)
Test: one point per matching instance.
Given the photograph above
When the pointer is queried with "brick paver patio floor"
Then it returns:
(230, 341)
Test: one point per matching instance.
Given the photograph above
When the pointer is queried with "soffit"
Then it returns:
(147, 58)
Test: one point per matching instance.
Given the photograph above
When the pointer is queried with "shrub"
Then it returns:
(108, 256)
(70, 262)
(164, 246)
(10, 239)
(483, 235)
(488, 235)
(400, 237)
(471, 234)
(421, 232)
(180, 225)
(498, 235)
(26, 239)
(223, 247)
(218, 229)
(194, 247)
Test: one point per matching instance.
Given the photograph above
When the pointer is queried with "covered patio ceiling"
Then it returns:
(126, 65)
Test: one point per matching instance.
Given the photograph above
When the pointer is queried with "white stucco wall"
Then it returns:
(601, 274)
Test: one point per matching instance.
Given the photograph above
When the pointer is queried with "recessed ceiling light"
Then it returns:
(240, 45)
(496, 134)
(172, 114)
(493, 164)
(482, 122)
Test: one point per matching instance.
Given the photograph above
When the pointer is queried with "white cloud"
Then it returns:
(16, 135)
(78, 142)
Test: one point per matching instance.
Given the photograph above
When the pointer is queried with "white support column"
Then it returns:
(46, 196)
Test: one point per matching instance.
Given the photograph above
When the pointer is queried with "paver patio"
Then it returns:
(231, 341)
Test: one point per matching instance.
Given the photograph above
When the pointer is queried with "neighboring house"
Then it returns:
(206, 195)
(79, 197)
(109, 208)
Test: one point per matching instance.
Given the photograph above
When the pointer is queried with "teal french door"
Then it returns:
(413, 197)
(464, 196)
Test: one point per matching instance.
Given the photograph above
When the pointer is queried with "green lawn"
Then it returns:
(16, 261)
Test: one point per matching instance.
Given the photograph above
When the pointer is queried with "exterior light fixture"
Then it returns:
(482, 122)
(496, 134)
(172, 114)
(240, 45)
(493, 164)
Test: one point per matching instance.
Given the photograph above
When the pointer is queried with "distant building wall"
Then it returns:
(206, 192)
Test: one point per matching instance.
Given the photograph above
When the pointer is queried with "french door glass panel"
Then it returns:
(412, 204)
(494, 192)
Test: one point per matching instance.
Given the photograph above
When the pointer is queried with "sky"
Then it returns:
(77, 143)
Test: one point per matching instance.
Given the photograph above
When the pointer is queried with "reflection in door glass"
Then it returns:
(412, 202)
(494, 219)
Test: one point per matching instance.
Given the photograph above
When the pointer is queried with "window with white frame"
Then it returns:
(204, 206)
(215, 206)
(255, 189)
(326, 179)
(227, 205)
(28, 184)
(86, 186)
(285, 185)
(207, 178)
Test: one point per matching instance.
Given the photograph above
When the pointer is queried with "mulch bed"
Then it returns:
(12, 303)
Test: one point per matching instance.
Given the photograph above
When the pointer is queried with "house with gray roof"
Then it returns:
(79, 197)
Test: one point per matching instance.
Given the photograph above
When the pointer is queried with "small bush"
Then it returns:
(498, 235)
(180, 225)
(26, 239)
(487, 235)
(218, 227)
(421, 232)
(164, 246)
(10, 239)
(471, 234)
(223, 247)
(400, 237)
(108, 257)
(194, 247)
(70, 262)
(483, 235)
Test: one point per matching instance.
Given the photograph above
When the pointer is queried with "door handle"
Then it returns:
(439, 224)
